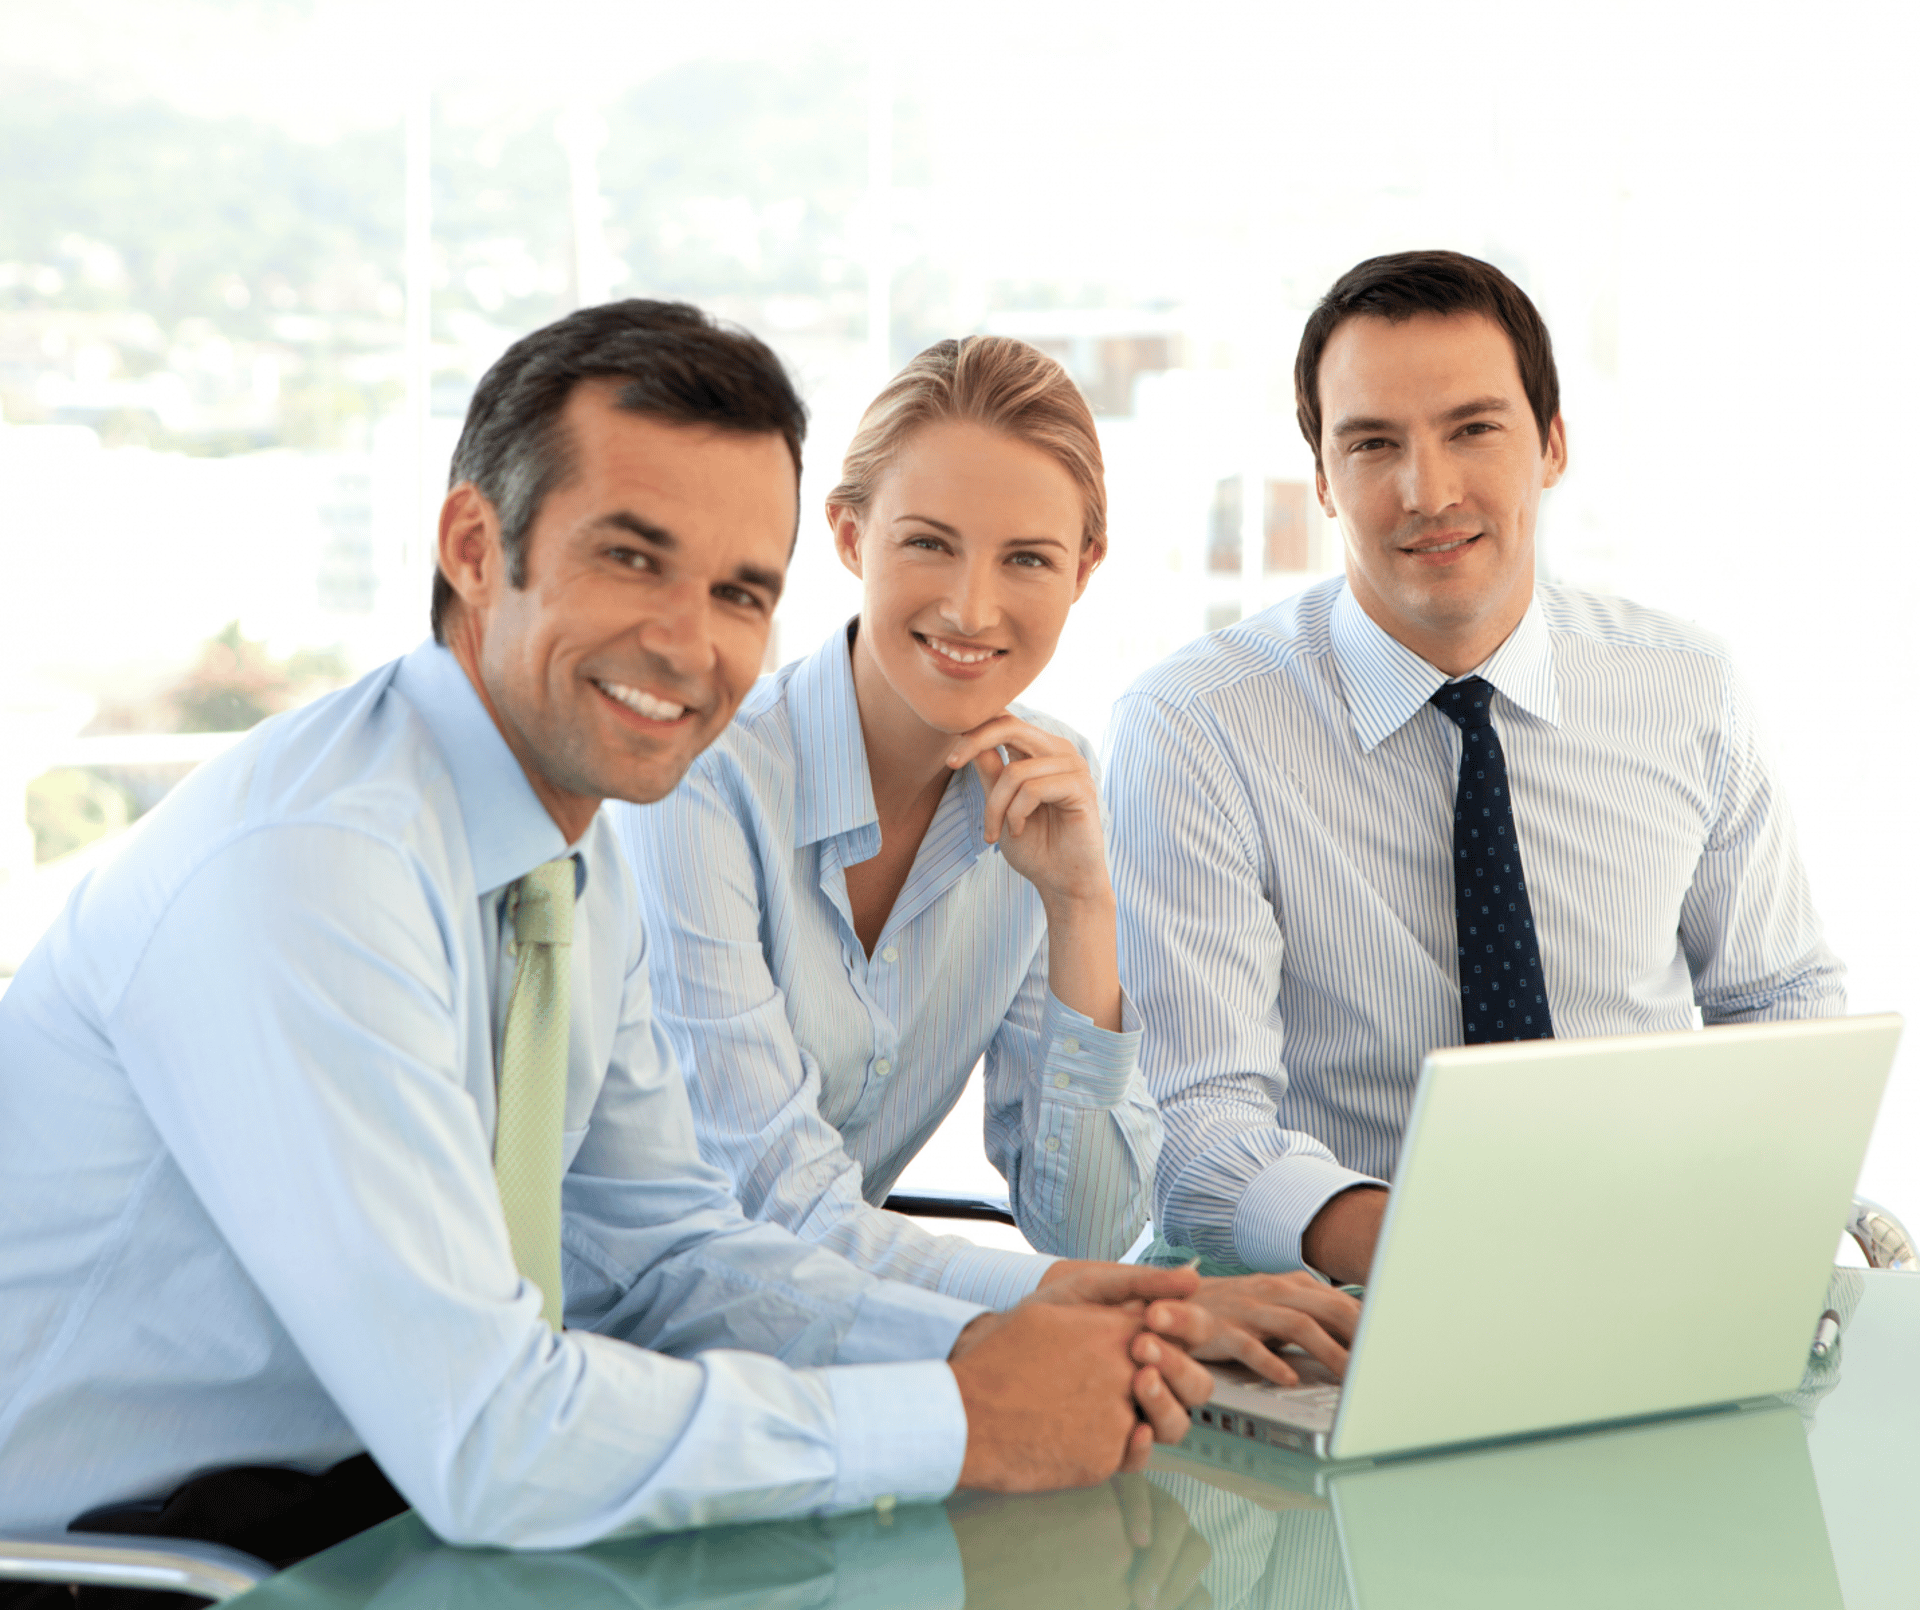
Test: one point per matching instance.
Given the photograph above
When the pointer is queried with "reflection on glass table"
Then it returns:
(1806, 1503)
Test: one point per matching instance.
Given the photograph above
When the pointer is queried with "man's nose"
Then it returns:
(678, 630)
(1430, 479)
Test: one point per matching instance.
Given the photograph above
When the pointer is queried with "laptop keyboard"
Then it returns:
(1310, 1406)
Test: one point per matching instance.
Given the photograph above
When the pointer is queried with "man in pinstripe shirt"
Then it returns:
(1283, 794)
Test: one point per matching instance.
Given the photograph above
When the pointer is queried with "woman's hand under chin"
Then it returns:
(1043, 810)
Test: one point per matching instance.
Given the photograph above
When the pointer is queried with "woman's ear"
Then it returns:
(846, 535)
(1092, 551)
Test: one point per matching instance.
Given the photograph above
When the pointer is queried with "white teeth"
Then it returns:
(954, 652)
(643, 703)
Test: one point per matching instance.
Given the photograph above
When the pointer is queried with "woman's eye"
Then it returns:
(1031, 561)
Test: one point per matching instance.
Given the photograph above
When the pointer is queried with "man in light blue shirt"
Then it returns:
(1284, 792)
(248, 1082)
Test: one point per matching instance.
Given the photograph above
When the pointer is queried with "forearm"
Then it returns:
(1082, 941)
(1244, 1193)
(897, 1249)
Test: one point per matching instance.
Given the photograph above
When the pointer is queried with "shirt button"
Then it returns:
(1061, 1081)
(890, 954)
(1053, 1143)
(883, 1067)
(1070, 1045)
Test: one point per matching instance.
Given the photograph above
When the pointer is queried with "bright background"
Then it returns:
(255, 253)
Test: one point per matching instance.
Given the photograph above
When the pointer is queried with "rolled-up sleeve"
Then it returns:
(1070, 1124)
(1752, 938)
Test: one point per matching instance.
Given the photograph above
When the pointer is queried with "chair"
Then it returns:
(161, 1564)
(1882, 1237)
(952, 1205)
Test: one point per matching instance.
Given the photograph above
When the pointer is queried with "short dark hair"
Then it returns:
(678, 364)
(1402, 284)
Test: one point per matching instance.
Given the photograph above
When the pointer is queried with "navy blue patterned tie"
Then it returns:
(1503, 993)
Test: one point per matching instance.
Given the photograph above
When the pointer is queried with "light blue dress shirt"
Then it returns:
(817, 1072)
(1282, 802)
(246, 1122)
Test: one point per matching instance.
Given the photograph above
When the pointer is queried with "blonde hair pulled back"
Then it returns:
(990, 380)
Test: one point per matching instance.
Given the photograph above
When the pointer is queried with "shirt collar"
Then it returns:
(833, 784)
(1386, 683)
(509, 832)
(833, 787)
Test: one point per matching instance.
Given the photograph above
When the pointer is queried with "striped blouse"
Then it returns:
(1282, 804)
(817, 1071)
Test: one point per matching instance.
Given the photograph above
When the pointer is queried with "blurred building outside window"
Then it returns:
(251, 269)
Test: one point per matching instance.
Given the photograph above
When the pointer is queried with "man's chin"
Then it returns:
(655, 785)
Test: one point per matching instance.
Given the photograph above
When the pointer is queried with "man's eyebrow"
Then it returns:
(773, 581)
(1365, 424)
(654, 536)
(1490, 404)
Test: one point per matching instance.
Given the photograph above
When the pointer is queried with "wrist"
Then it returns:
(1060, 1269)
(1339, 1240)
(1086, 904)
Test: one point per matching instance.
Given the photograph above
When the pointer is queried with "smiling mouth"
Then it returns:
(1442, 547)
(958, 653)
(642, 703)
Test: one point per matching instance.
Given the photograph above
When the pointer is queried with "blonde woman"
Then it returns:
(887, 871)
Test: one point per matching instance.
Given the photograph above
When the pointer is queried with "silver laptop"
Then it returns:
(1584, 1232)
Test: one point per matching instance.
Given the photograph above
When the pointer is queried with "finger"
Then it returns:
(1072, 801)
(1162, 1409)
(1252, 1343)
(1189, 1381)
(1208, 1336)
(1289, 1325)
(1155, 1561)
(1126, 1282)
(1025, 785)
(989, 764)
(1135, 1494)
(1007, 732)
(1247, 1297)
(1139, 1450)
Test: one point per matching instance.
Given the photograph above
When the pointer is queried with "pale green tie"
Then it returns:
(533, 1077)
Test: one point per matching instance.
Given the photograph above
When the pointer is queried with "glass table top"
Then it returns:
(1807, 1503)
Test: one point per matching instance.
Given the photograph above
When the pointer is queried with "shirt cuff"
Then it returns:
(994, 1278)
(901, 1433)
(1278, 1205)
(896, 1321)
(1086, 1065)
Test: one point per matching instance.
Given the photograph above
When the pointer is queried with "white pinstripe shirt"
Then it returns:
(817, 1072)
(1282, 803)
